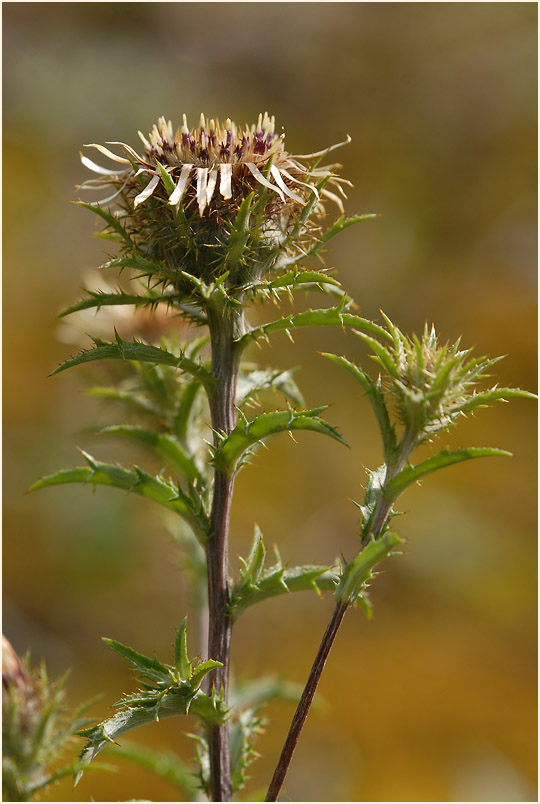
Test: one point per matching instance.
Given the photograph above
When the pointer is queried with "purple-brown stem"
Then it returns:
(219, 632)
(305, 702)
(224, 327)
(380, 518)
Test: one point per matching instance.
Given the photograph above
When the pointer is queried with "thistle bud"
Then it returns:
(14, 673)
(432, 384)
(22, 714)
(35, 728)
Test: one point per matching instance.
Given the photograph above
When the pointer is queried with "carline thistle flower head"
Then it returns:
(202, 176)
(198, 158)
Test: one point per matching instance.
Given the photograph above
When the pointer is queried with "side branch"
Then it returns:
(219, 636)
(305, 702)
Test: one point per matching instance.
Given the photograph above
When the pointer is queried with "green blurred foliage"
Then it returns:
(440, 102)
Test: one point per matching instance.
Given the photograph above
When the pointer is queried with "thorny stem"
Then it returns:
(378, 522)
(225, 326)
(305, 702)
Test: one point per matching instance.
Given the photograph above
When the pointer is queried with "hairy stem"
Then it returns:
(384, 506)
(305, 702)
(225, 326)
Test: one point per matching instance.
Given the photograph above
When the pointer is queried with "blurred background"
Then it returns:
(435, 698)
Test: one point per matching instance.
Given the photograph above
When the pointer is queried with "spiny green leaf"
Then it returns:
(299, 277)
(142, 352)
(332, 316)
(444, 458)
(276, 582)
(356, 574)
(295, 279)
(376, 399)
(109, 219)
(178, 700)
(247, 433)
(336, 291)
(341, 224)
(308, 209)
(101, 299)
(164, 444)
(255, 583)
(137, 481)
(171, 691)
(143, 265)
(202, 670)
(338, 226)
(150, 667)
(493, 395)
(161, 674)
(198, 283)
(382, 355)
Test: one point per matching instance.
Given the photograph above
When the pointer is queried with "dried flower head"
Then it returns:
(199, 158)
(180, 200)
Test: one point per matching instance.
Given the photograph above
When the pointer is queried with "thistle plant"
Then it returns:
(36, 728)
(206, 222)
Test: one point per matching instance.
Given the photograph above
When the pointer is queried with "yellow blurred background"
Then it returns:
(435, 698)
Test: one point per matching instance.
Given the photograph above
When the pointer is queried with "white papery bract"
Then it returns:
(218, 162)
